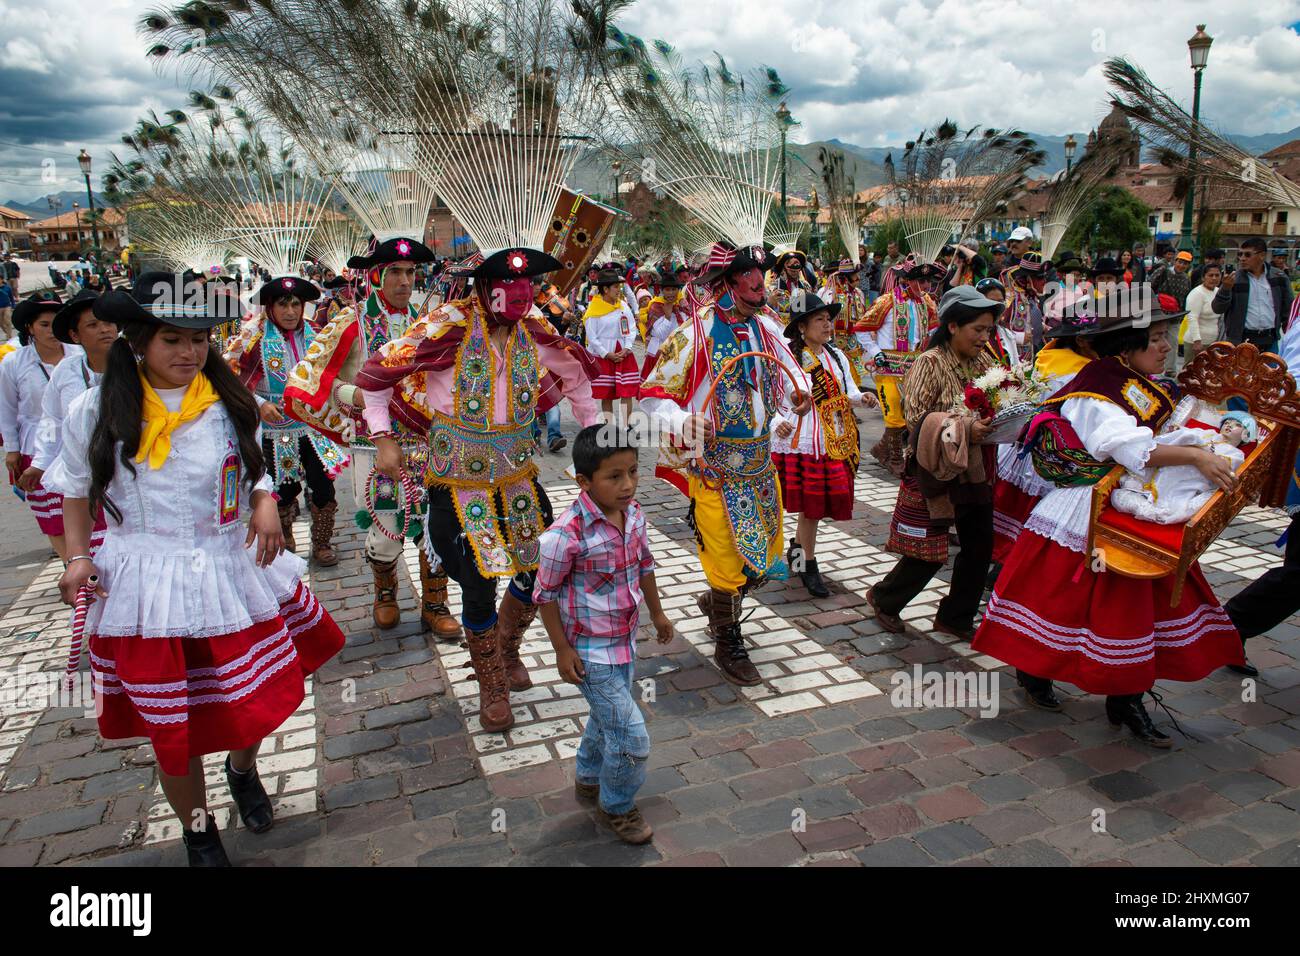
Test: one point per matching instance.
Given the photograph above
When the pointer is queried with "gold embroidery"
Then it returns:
(1140, 399)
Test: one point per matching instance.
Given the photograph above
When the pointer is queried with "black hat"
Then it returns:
(724, 259)
(26, 311)
(65, 320)
(164, 298)
(394, 250)
(1000, 248)
(1069, 261)
(803, 304)
(608, 277)
(1105, 266)
(1032, 265)
(338, 282)
(1120, 309)
(786, 256)
(674, 275)
(924, 270)
(287, 286)
(518, 263)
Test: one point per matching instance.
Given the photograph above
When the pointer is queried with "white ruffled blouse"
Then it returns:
(1110, 434)
(176, 565)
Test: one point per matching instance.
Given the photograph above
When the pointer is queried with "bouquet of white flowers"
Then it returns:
(1007, 396)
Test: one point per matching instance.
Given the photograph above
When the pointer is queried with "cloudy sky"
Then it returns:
(871, 72)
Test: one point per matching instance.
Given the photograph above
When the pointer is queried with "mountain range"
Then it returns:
(40, 209)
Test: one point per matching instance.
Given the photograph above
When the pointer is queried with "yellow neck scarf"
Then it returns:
(1054, 361)
(159, 423)
(598, 307)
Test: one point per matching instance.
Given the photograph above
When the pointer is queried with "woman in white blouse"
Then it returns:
(75, 324)
(1203, 323)
(196, 641)
(816, 468)
(24, 376)
(1057, 613)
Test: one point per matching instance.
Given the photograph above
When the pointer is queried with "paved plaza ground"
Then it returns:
(384, 763)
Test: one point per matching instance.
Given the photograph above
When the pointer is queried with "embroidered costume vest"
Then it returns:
(479, 460)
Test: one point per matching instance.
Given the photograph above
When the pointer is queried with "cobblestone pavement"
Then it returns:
(385, 764)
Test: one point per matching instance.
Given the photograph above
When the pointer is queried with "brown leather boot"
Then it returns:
(386, 612)
(723, 611)
(288, 514)
(434, 613)
(494, 693)
(513, 619)
(322, 531)
(889, 450)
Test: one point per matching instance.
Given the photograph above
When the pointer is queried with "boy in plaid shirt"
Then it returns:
(595, 570)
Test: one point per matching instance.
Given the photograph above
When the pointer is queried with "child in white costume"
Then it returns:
(1171, 495)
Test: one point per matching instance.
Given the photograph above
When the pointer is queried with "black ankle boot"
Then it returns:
(1039, 692)
(250, 797)
(812, 579)
(1129, 712)
(203, 847)
(1245, 670)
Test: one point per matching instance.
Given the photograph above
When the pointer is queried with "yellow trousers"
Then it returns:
(891, 400)
(723, 566)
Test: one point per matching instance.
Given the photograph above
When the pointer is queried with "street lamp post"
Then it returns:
(1199, 48)
(76, 221)
(616, 166)
(783, 117)
(84, 161)
(1070, 147)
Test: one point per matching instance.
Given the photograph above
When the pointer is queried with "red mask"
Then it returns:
(509, 300)
(747, 288)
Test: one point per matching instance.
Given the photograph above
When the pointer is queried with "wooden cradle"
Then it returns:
(1143, 549)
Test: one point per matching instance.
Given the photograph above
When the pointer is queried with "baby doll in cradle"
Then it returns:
(1171, 495)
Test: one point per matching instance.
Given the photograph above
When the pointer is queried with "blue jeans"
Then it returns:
(615, 745)
(552, 426)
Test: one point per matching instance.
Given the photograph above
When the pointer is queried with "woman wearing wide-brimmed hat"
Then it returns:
(197, 640)
(842, 289)
(24, 377)
(1056, 616)
(816, 462)
(74, 324)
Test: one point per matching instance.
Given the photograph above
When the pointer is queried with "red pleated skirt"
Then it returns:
(621, 379)
(648, 365)
(1053, 616)
(198, 695)
(45, 505)
(815, 486)
(1011, 509)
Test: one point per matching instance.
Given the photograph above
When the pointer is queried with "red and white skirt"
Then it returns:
(198, 695)
(621, 379)
(815, 486)
(1011, 508)
(45, 505)
(1052, 616)
(648, 365)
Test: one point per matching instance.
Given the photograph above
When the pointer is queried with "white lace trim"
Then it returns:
(1206, 618)
(1063, 517)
